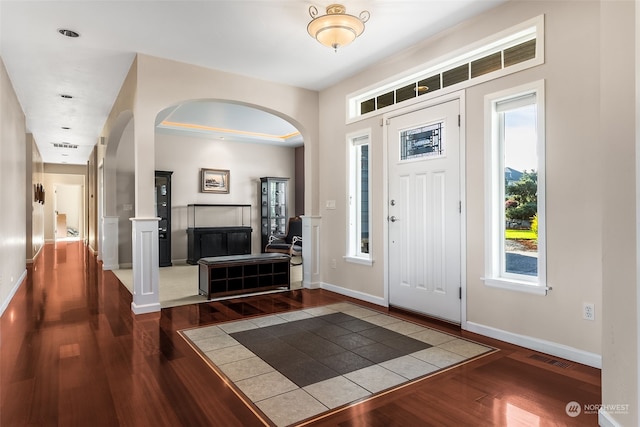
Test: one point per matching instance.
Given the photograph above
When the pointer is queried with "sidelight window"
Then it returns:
(515, 220)
(359, 243)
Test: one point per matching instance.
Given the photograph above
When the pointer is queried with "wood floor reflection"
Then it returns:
(72, 354)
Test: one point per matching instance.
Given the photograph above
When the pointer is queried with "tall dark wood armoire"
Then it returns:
(163, 211)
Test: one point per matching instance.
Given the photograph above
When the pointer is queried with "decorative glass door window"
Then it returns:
(423, 141)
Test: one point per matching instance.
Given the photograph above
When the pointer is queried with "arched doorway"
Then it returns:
(246, 140)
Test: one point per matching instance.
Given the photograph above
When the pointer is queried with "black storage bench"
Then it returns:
(240, 274)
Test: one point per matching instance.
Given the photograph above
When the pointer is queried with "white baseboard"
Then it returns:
(13, 291)
(606, 420)
(145, 308)
(354, 294)
(311, 285)
(549, 347)
(110, 267)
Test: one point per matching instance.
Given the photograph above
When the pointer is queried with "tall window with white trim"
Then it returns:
(515, 214)
(359, 203)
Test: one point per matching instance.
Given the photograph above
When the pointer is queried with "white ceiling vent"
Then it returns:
(64, 145)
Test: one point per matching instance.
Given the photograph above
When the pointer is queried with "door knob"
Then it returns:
(392, 218)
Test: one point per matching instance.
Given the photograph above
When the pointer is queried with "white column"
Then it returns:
(146, 290)
(109, 244)
(311, 251)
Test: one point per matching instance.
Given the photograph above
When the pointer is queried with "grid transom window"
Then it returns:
(510, 51)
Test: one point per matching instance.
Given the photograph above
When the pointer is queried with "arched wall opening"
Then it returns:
(248, 140)
(155, 83)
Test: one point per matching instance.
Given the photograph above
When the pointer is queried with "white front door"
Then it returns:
(424, 211)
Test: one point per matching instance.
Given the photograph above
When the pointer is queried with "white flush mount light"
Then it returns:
(68, 33)
(336, 28)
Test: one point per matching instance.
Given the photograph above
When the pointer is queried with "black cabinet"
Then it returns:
(217, 241)
(274, 201)
(217, 230)
(163, 211)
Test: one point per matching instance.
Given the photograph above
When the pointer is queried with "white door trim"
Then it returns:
(463, 196)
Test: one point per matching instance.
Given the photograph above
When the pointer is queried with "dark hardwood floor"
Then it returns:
(73, 354)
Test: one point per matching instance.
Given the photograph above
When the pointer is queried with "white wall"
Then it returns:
(154, 84)
(55, 175)
(619, 138)
(69, 200)
(162, 83)
(573, 173)
(574, 216)
(124, 195)
(247, 162)
(13, 191)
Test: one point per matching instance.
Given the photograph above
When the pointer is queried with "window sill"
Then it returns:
(358, 260)
(515, 285)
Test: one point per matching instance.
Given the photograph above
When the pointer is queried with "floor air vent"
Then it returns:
(550, 361)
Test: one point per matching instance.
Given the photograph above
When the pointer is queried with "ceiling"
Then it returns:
(265, 39)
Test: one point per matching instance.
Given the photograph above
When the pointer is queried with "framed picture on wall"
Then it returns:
(215, 180)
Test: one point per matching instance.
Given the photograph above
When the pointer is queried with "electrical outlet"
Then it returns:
(588, 311)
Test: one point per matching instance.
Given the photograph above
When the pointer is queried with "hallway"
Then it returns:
(73, 354)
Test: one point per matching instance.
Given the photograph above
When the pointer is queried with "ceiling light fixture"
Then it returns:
(68, 33)
(336, 28)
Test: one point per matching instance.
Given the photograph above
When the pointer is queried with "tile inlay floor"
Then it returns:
(299, 364)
